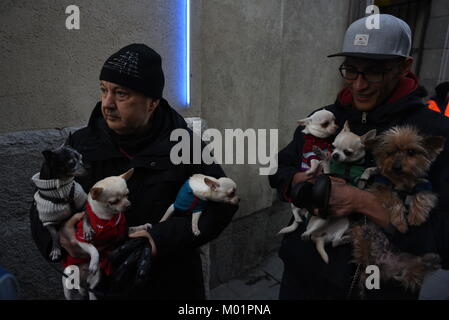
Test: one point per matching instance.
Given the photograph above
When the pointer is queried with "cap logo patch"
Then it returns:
(361, 39)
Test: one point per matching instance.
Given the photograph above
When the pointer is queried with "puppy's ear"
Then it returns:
(434, 145)
(211, 184)
(48, 155)
(304, 122)
(127, 174)
(371, 143)
(346, 127)
(368, 136)
(95, 193)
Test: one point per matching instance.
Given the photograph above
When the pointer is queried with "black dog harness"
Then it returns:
(70, 199)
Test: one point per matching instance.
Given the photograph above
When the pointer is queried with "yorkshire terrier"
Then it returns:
(403, 160)
(372, 247)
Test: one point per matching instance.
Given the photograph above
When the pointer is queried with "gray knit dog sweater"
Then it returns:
(54, 213)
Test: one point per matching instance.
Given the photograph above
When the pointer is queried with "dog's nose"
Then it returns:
(127, 206)
(397, 166)
(336, 156)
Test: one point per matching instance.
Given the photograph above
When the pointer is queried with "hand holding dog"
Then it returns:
(67, 236)
(302, 176)
(132, 261)
(346, 199)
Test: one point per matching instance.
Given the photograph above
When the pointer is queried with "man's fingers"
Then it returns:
(74, 219)
(139, 234)
(337, 180)
(67, 236)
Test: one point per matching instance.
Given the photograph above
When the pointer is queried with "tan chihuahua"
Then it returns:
(106, 202)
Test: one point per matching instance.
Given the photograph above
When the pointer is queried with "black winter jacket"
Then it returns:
(176, 271)
(306, 276)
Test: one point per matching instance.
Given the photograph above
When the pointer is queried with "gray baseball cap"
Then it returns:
(392, 39)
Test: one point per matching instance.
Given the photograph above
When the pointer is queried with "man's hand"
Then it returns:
(132, 261)
(346, 199)
(303, 176)
(67, 236)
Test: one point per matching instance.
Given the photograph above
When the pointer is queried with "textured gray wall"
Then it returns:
(264, 66)
(434, 44)
(20, 158)
(52, 73)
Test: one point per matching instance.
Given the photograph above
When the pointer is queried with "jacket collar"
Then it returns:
(102, 144)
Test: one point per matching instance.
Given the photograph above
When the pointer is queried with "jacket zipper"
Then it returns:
(364, 117)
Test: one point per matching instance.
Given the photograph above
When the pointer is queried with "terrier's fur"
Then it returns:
(403, 157)
(204, 188)
(372, 247)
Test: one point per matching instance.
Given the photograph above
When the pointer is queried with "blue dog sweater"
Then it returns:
(187, 201)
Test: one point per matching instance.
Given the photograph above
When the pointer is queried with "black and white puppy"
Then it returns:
(58, 195)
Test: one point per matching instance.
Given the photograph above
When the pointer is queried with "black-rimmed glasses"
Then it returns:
(372, 76)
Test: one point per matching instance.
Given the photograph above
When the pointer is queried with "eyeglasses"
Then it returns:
(371, 76)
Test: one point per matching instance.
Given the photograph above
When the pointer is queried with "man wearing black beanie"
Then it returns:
(130, 128)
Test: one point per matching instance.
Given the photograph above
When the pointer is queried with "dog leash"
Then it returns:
(356, 276)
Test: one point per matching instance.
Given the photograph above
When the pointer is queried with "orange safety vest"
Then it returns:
(432, 105)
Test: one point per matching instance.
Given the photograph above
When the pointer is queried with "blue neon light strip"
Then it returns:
(187, 53)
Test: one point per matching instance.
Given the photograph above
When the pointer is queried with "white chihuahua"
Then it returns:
(106, 202)
(318, 128)
(196, 191)
(349, 149)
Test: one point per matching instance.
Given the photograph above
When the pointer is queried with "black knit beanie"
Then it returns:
(137, 67)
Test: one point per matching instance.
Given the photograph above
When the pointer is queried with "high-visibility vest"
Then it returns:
(432, 105)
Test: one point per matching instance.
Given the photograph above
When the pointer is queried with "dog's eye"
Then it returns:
(411, 152)
(347, 153)
(114, 202)
(391, 153)
(71, 163)
(325, 125)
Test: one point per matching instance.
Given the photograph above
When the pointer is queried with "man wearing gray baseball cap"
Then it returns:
(380, 92)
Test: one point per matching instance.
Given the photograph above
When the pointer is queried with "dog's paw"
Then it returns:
(400, 224)
(432, 261)
(343, 240)
(196, 233)
(305, 236)
(415, 219)
(55, 254)
(93, 268)
(88, 235)
(400, 275)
